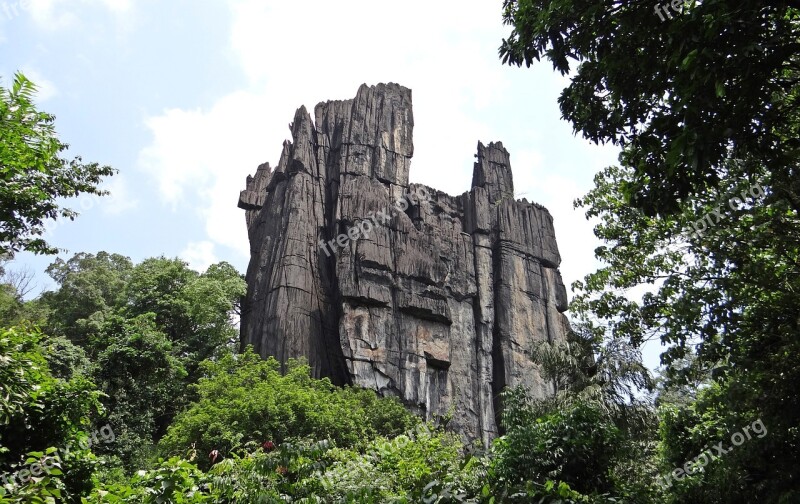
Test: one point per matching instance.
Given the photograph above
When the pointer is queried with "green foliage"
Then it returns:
(243, 398)
(10, 304)
(158, 286)
(43, 489)
(723, 302)
(22, 368)
(742, 474)
(704, 106)
(144, 383)
(681, 96)
(292, 469)
(422, 467)
(37, 414)
(36, 409)
(91, 287)
(403, 469)
(14, 286)
(34, 175)
(66, 359)
(576, 444)
(607, 373)
(193, 310)
(257, 435)
(174, 481)
(145, 328)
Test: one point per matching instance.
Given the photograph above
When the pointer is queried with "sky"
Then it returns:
(186, 98)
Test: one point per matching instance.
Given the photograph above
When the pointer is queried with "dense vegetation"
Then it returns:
(703, 212)
(125, 384)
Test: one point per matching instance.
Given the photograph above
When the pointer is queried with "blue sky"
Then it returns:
(185, 98)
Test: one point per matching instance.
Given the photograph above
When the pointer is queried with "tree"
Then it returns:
(146, 328)
(143, 381)
(40, 413)
(34, 175)
(21, 280)
(576, 443)
(723, 300)
(14, 286)
(681, 96)
(584, 435)
(91, 287)
(159, 285)
(195, 310)
(243, 398)
(423, 466)
(10, 304)
(703, 211)
(609, 373)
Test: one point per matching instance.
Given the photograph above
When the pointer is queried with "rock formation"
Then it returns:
(438, 300)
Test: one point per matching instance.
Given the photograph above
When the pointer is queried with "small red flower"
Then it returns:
(268, 446)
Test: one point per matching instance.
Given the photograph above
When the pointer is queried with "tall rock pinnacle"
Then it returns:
(395, 286)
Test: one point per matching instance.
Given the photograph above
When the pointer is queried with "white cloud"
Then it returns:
(295, 53)
(209, 154)
(199, 255)
(118, 6)
(45, 88)
(120, 199)
(47, 15)
(60, 14)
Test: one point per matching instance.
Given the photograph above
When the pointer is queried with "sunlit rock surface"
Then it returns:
(439, 302)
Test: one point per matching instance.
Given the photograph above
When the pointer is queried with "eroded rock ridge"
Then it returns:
(439, 305)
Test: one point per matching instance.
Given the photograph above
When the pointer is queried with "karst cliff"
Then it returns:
(391, 285)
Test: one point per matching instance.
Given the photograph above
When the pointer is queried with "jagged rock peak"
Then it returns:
(392, 285)
(493, 171)
(374, 129)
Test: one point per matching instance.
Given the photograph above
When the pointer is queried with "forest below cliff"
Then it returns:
(126, 382)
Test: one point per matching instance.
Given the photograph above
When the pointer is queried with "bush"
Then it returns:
(422, 466)
(243, 398)
(575, 443)
(40, 415)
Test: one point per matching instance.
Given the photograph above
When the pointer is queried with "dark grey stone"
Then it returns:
(437, 300)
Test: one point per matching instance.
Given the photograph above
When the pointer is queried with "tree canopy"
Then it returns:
(34, 175)
(681, 96)
(702, 214)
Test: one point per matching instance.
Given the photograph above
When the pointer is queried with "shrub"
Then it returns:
(243, 398)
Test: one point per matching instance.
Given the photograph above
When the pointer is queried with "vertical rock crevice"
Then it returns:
(438, 303)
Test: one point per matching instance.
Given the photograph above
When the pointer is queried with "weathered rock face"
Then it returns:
(434, 298)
